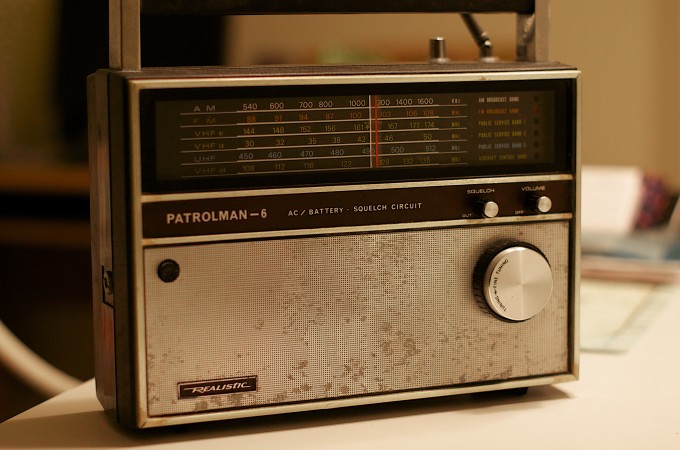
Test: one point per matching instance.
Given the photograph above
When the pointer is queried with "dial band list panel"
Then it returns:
(226, 137)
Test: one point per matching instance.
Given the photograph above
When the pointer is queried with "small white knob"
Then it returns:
(489, 209)
(543, 204)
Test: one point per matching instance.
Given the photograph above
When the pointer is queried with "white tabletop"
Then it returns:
(622, 401)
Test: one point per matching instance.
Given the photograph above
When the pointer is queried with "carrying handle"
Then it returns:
(125, 23)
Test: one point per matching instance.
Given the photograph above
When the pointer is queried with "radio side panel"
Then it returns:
(114, 361)
(100, 224)
(123, 280)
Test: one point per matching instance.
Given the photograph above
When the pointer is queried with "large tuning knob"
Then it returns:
(513, 280)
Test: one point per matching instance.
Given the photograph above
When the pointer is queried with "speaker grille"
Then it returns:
(320, 318)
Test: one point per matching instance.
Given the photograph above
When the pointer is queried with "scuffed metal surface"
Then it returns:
(330, 317)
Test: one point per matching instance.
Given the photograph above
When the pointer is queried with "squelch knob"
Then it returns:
(513, 280)
(488, 209)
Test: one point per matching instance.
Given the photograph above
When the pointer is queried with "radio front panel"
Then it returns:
(288, 242)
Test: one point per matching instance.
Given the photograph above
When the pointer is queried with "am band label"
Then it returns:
(217, 387)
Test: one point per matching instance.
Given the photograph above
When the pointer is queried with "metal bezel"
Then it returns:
(137, 242)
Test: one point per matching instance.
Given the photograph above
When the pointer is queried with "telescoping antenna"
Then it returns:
(481, 38)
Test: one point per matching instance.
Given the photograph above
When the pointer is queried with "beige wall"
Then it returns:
(301, 39)
(628, 52)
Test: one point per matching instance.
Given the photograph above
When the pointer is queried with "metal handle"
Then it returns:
(125, 23)
(232, 7)
(125, 47)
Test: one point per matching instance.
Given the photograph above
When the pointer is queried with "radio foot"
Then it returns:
(503, 393)
(518, 392)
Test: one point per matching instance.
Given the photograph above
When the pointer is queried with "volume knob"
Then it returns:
(541, 204)
(513, 280)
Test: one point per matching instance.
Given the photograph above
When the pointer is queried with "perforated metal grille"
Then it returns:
(328, 317)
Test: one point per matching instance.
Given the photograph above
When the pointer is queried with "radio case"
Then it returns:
(278, 239)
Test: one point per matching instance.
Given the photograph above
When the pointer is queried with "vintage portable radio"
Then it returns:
(279, 239)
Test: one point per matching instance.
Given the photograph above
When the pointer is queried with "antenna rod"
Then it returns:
(480, 36)
(526, 33)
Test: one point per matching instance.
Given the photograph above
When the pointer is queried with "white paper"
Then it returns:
(610, 199)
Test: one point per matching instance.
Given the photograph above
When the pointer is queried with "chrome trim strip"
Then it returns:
(576, 246)
(152, 242)
(150, 198)
(234, 81)
(135, 246)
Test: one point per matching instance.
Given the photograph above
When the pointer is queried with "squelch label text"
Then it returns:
(206, 216)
